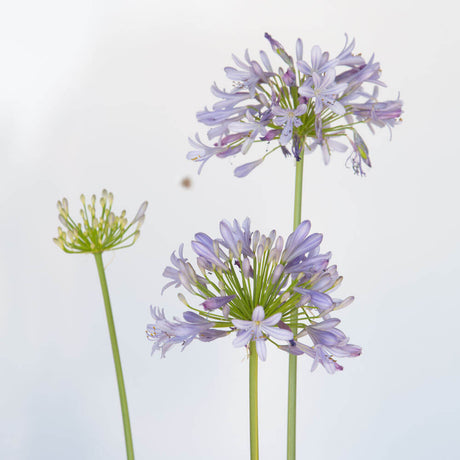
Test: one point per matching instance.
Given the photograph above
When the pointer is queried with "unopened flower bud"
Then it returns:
(255, 239)
(62, 220)
(277, 272)
(239, 247)
(247, 269)
(202, 265)
(59, 242)
(140, 213)
(260, 251)
(65, 205)
(140, 222)
(285, 297)
(280, 244)
(344, 303)
(182, 298)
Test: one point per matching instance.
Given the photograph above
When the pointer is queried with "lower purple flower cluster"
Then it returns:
(258, 288)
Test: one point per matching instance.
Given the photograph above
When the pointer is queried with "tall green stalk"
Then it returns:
(116, 358)
(292, 383)
(253, 410)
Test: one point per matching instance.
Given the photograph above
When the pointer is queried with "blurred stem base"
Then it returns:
(116, 358)
(292, 383)
(253, 409)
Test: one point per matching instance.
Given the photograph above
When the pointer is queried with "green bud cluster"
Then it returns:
(97, 233)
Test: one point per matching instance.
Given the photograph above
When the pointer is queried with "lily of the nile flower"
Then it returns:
(308, 102)
(250, 130)
(182, 273)
(250, 73)
(258, 329)
(376, 113)
(320, 64)
(328, 341)
(203, 152)
(97, 233)
(324, 91)
(289, 119)
(165, 333)
(249, 285)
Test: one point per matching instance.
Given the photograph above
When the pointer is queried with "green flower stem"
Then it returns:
(292, 384)
(253, 411)
(116, 358)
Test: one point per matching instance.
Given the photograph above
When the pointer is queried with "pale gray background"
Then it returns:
(100, 94)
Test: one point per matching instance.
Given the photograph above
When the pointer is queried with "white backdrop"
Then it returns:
(98, 94)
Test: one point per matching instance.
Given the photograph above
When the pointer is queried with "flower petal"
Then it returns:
(243, 338)
(244, 170)
(258, 314)
(272, 320)
(261, 348)
(277, 333)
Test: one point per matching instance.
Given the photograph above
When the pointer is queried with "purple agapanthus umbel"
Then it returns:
(309, 102)
(249, 285)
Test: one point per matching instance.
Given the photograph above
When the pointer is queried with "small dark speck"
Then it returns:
(186, 182)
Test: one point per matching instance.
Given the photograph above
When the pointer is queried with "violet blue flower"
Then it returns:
(165, 333)
(288, 118)
(325, 92)
(250, 283)
(259, 329)
(307, 103)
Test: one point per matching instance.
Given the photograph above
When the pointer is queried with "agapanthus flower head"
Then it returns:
(249, 284)
(98, 232)
(309, 102)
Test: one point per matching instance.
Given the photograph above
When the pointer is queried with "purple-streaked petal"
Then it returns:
(318, 299)
(270, 135)
(217, 302)
(286, 134)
